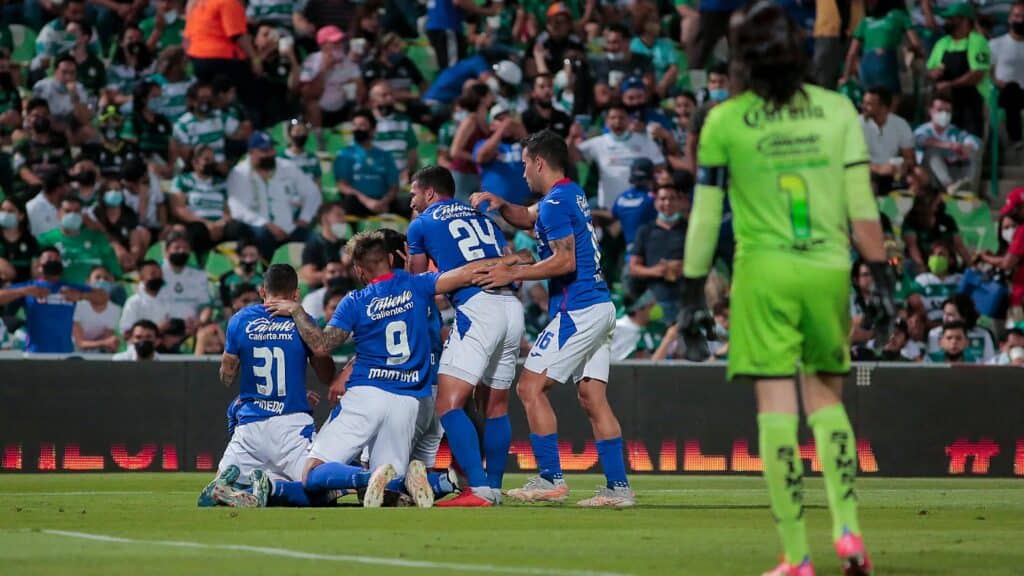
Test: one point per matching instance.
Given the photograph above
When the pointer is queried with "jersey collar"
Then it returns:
(383, 278)
(561, 182)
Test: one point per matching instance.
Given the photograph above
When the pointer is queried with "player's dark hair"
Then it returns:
(145, 325)
(965, 305)
(550, 146)
(280, 280)
(368, 249)
(956, 325)
(396, 245)
(884, 94)
(436, 177)
(769, 50)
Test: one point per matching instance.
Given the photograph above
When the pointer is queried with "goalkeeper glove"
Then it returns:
(881, 308)
(694, 322)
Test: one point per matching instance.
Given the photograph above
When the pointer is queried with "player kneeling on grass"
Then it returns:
(388, 319)
(793, 161)
(273, 416)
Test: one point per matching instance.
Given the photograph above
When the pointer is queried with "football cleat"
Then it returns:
(539, 489)
(853, 557)
(374, 495)
(457, 481)
(605, 497)
(804, 568)
(468, 498)
(261, 487)
(230, 496)
(418, 486)
(226, 478)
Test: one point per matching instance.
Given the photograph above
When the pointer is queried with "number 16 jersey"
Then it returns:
(272, 368)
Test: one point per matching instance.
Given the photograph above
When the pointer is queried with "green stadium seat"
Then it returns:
(218, 264)
(290, 253)
(423, 57)
(24, 40)
(389, 221)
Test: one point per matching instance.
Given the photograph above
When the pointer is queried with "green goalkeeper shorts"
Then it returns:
(788, 314)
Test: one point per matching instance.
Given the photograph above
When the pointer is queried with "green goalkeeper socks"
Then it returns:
(784, 472)
(837, 451)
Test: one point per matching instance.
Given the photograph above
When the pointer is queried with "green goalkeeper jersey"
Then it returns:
(795, 177)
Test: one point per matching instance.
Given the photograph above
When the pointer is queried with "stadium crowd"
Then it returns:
(157, 156)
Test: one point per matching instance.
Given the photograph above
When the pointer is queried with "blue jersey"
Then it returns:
(273, 364)
(448, 84)
(436, 344)
(565, 212)
(389, 321)
(453, 234)
(48, 321)
(444, 15)
(504, 174)
(634, 208)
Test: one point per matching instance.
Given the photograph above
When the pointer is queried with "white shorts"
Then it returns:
(575, 344)
(483, 345)
(278, 445)
(370, 418)
(427, 438)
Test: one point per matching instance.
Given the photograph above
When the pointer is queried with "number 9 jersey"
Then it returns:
(272, 370)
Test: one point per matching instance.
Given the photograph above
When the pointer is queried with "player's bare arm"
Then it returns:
(323, 366)
(521, 217)
(229, 369)
(562, 261)
(466, 275)
(418, 263)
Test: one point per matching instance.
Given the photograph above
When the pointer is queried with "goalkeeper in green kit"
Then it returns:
(793, 160)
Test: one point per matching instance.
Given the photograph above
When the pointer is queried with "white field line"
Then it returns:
(370, 560)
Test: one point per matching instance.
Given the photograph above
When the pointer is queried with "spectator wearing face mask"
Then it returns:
(43, 210)
(132, 62)
(150, 301)
(298, 135)
(148, 129)
(203, 124)
(80, 248)
(1011, 350)
(656, 260)
(49, 304)
(120, 224)
(43, 151)
(717, 92)
(927, 224)
(951, 155)
(394, 133)
(53, 38)
(95, 326)
(544, 113)
(92, 70)
(616, 64)
(142, 338)
(634, 208)
(953, 346)
(959, 65)
(401, 73)
(272, 196)
(199, 199)
(247, 271)
(144, 195)
(366, 175)
(662, 53)
(684, 105)
(1008, 72)
(326, 245)
(1012, 240)
(166, 27)
(960, 308)
(188, 290)
(333, 275)
(938, 283)
(112, 152)
(18, 247)
(174, 83)
(500, 157)
(69, 103)
(331, 83)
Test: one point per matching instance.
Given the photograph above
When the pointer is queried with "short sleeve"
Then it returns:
(232, 18)
(343, 168)
(906, 137)
(80, 311)
(639, 247)
(1017, 246)
(588, 148)
(179, 133)
(392, 172)
(309, 67)
(935, 58)
(555, 220)
(711, 150)
(346, 315)
(176, 186)
(860, 199)
(901, 18)
(426, 284)
(415, 237)
(231, 343)
(858, 34)
(978, 54)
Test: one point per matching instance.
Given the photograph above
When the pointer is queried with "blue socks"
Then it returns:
(334, 476)
(288, 494)
(497, 440)
(545, 449)
(439, 483)
(465, 446)
(612, 462)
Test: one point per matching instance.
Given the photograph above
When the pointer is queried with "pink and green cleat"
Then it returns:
(853, 557)
(804, 568)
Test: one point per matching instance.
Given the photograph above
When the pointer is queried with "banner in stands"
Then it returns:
(90, 415)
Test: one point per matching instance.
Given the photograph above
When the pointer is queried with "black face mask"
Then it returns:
(41, 124)
(300, 141)
(546, 104)
(203, 107)
(154, 285)
(361, 136)
(87, 178)
(136, 48)
(386, 110)
(178, 259)
(1017, 27)
(145, 348)
(634, 109)
(209, 170)
(248, 267)
(267, 163)
(53, 268)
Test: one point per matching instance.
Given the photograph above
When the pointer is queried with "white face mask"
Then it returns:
(1008, 234)
(941, 119)
(170, 17)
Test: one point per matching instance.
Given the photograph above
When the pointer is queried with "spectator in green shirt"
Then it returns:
(166, 27)
(953, 346)
(875, 49)
(959, 65)
(662, 53)
(81, 249)
(247, 272)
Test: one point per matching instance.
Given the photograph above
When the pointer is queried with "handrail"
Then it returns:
(993, 115)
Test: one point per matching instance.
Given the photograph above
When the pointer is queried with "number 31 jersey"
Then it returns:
(389, 321)
(453, 234)
(272, 369)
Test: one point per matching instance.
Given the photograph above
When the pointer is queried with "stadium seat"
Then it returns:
(390, 221)
(218, 264)
(290, 253)
(24, 40)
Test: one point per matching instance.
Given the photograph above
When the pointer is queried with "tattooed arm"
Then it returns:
(321, 342)
(562, 261)
(229, 369)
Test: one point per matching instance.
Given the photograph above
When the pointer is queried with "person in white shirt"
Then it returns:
(614, 151)
(188, 289)
(889, 138)
(629, 330)
(149, 301)
(142, 339)
(95, 328)
(42, 210)
(272, 196)
(330, 81)
(67, 98)
(142, 193)
(1012, 349)
(313, 303)
(1008, 71)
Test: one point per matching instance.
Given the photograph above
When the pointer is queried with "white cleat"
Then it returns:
(538, 489)
(418, 486)
(374, 495)
(606, 497)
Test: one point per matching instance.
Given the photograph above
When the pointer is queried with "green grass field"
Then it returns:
(149, 524)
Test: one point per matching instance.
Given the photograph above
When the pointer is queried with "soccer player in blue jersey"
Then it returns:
(391, 373)
(484, 343)
(274, 419)
(576, 341)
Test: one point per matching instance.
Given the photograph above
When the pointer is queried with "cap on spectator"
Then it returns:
(632, 83)
(260, 141)
(1013, 200)
(497, 110)
(329, 34)
(643, 301)
(508, 72)
(962, 9)
(558, 8)
(642, 170)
